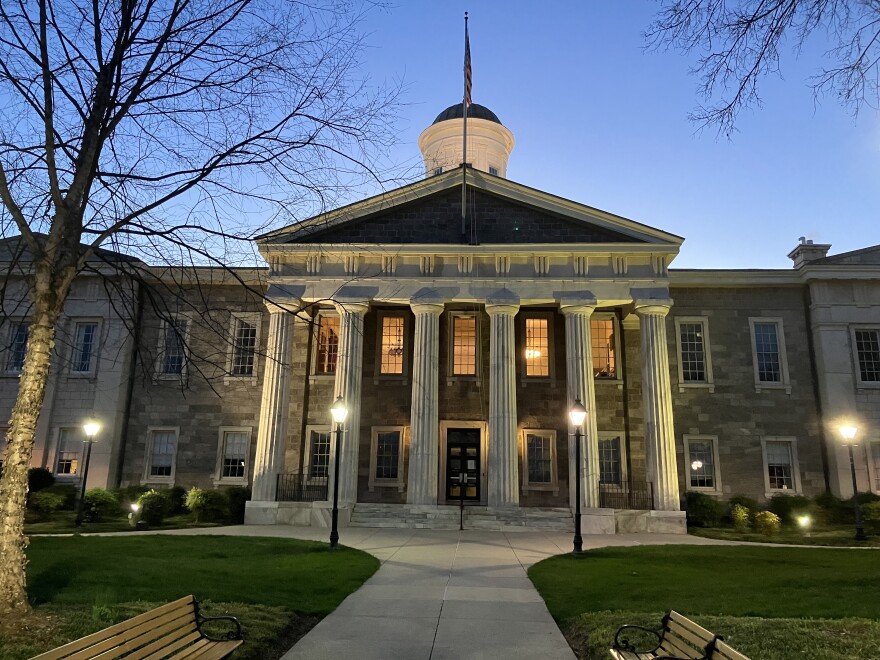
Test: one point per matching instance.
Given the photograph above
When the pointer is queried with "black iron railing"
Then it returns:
(627, 496)
(301, 487)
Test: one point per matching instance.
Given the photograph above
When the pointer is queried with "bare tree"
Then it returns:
(166, 129)
(740, 41)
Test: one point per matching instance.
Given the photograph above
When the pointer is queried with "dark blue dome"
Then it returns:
(475, 111)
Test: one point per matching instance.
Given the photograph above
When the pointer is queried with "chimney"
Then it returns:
(807, 251)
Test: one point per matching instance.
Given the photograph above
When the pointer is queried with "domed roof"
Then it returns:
(475, 111)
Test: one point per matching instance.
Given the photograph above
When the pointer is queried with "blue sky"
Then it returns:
(600, 121)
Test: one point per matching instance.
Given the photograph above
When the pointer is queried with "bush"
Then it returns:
(750, 505)
(45, 504)
(39, 479)
(153, 506)
(871, 512)
(68, 491)
(207, 505)
(237, 496)
(788, 507)
(176, 496)
(129, 494)
(100, 504)
(740, 516)
(703, 510)
(767, 523)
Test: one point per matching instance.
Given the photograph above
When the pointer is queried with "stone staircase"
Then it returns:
(403, 516)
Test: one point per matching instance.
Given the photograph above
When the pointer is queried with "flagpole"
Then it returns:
(464, 107)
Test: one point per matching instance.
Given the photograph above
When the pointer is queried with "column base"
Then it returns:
(296, 514)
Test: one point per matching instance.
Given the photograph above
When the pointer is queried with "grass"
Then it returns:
(843, 536)
(62, 522)
(278, 587)
(759, 598)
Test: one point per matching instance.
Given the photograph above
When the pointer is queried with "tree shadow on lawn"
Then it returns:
(46, 583)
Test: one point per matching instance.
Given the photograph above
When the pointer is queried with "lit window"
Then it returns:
(319, 453)
(609, 461)
(173, 350)
(701, 463)
(70, 444)
(328, 344)
(780, 471)
(868, 352)
(537, 347)
(603, 347)
(236, 447)
(493, 170)
(464, 345)
(84, 341)
(17, 346)
(539, 460)
(244, 347)
(162, 453)
(392, 345)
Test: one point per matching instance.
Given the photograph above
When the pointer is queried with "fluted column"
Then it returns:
(503, 488)
(274, 405)
(580, 385)
(349, 368)
(657, 404)
(424, 416)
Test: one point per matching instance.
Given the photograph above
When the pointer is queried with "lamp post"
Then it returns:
(339, 412)
(849, 435)
(577, 415)
(90, 428)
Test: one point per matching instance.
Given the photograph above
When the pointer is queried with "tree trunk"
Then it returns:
(22, 427)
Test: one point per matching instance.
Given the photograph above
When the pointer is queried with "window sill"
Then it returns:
(390, 380)
(239, 380)
(84, 375)
(399, 485)
(861, 385)
(322, 378)
(609, 381)
(541, 488)
(228, 481)
(159, 481)
(462, 379)
(707, 491)
(773, 386)
(696, 386)
(782, 491)
(535, 380)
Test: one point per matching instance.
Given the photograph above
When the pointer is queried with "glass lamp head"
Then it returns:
(577, 414)
(848, 431)
(91, 428)
(338, 411)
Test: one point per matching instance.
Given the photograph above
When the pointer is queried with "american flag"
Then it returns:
(467, 67)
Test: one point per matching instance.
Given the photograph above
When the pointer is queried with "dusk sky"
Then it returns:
(599, 120)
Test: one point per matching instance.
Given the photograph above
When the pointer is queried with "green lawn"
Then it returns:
(757, 597)
(278, 587)
(839, 536)
(63, 522)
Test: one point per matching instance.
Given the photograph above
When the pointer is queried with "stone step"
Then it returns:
(403, 516)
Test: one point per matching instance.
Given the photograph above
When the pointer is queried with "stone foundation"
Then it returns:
(297, 514)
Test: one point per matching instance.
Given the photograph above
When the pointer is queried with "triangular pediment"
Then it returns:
(869, 256)
(500, 212)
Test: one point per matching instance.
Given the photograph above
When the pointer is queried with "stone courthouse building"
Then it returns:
(458, 343)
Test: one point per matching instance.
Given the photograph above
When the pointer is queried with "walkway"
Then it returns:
(444, 594)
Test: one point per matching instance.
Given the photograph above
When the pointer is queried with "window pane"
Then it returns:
(702, 463)
(693, 356)
(779, 466)
(244, 348)
(320, 454)
(767, 352)
(537, 347)
(328, 344)
(70, 444)
(387, 454)
(868, 349)
(174, 349)
(84, 347)
(538, 459)
(235, 450)
(464, 345)
(604, 363)
(17, 347)
(392, 345)
(162, 452)
(609, 461)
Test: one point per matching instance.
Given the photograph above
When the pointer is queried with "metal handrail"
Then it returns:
(628, 495)
(301, 487)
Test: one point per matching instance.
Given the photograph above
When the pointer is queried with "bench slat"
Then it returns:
(192, 651)
(219, 650)
(723, 651)
(106, 633)
(678, 648)
(683, 622)
(676, 630)
(167, 644)
(165, 651)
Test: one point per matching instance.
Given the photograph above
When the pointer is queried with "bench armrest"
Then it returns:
(233, 634)
(623, 644)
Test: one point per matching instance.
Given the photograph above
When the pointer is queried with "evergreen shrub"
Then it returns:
(740, 516)
(39, 479)
(703, 510)
(207, 505)
(68, 491)
(100, 504)
(153, 505)
(45, 504)
(789, 507)
(767, 523)
(237, 496)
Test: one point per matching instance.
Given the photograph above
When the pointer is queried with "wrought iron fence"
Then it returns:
(301, 487)
(627, 496)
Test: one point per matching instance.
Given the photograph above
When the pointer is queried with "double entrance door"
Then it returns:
(462, 465)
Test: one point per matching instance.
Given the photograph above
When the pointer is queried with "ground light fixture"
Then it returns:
(91, 428)
(576, 415)
(849, 432)
(338, 412)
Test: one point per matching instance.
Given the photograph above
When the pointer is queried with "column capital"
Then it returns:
(359, 307)
(582, 307)
(425, 307)
(287, 305)
(653, 306)
(501, 308)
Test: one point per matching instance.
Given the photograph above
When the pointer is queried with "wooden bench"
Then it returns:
(173, 631)
(679, 638)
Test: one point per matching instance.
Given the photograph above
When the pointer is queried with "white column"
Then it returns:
(503, 487)
(349, 368)
(272, 433)
(660, 457)
(424, 416)
(580, 385)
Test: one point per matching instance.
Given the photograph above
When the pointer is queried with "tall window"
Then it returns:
(319, 453)
(17, 345)
(537, 346)
(768, 352)
(70, 445)
(244, 346)
(85, 339)
(327, 350)
(868, 353)
(610, 471)
(464, 345)
(235, 448)
(493, 170)
(392, 345)
(701, 463)
(173, 350)
(780, 465)
(539, 460)
(387, 455)
(693, 352)
(604, 348)
(162, 453)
